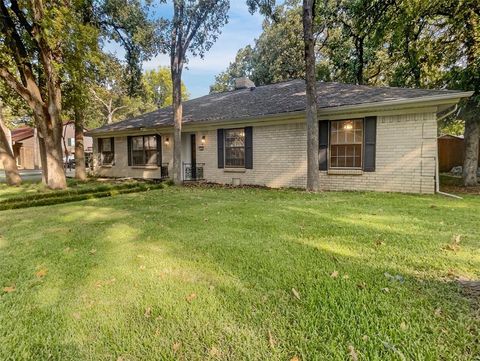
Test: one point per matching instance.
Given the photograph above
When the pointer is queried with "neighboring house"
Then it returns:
(371, 138)
(26, 149)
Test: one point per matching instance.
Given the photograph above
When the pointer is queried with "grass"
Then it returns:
(199, 274)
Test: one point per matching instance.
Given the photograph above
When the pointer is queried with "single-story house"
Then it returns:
(371, 138)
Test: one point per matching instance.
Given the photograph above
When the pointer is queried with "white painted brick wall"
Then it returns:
(405, 158)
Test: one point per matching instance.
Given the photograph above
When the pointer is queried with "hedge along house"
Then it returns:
(371, 138)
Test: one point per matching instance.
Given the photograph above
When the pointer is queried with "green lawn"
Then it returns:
(199, 274)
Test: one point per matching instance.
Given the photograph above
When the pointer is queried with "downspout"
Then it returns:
(437, 166)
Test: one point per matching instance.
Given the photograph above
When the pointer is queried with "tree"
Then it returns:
(32, 41)
(6, 154)
(158, 87)
(193, 29)
(313, 174)
(128, 23)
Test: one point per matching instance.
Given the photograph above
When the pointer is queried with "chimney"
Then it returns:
(244, 83)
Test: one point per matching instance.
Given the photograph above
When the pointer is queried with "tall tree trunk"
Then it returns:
(80, 172)
(52, 142)
(177, 119)
(360, 60)
(313, 174)
(6, 155)
(470, 163)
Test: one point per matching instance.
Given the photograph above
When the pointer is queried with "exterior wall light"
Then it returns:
(203, 139)
(167, 141)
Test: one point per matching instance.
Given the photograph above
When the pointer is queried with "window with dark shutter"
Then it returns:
(129, 150)
(370, 144)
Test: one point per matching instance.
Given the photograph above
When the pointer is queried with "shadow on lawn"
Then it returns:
(242, 264)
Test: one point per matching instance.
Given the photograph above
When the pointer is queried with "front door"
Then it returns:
(193, 156)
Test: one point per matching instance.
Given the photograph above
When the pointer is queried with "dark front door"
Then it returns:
(193, 149)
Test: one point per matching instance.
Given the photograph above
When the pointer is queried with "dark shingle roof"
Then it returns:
(268, 100)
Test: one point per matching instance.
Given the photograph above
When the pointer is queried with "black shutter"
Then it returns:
(323, 129)
(159, 150)
(370, 137)
(112, 147)
(220, 148)
(129, 150)
(248, 147)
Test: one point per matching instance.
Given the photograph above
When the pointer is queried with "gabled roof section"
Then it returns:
(22, 133)
(280, 98)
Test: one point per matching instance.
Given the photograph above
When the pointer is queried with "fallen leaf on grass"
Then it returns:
(9, 289)
(455, 245)
(361, 285)
(379, 242)
(214, 352)
(295, 358)
(438, 312)
(295, 293)
(271, 340)
(365, 338)
(352, 353)
(76, 315)
(386, 290)
(346, 277)
(142, 267)
(42, 272)
(191, 297)
(148, 312)
(176, 346)
(92, 251)
(334, 274)
(403, 326)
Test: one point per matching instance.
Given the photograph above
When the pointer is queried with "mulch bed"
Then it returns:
(460, 189)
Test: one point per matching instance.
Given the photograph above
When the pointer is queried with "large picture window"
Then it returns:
(235, 148)
(106, 150)
(346, 143)
(144, 150)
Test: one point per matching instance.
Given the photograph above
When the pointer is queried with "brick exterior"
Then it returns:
(405, 158)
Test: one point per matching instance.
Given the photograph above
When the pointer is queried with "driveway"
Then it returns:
(27, 175)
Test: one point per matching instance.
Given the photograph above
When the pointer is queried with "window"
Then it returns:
(106, 150)
(144, 150)
(346, 142)
(70, 142)
(235, 148)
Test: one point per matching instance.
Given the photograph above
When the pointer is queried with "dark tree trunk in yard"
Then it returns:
(80, 172)
(177, 119)
(6, 156)
(313, 176)
(43, 158)
(470, 164)
(471, 109)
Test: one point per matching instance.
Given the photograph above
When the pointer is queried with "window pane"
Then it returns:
(106, 145)
(151, 157)
(137, 143)
(346, 138)
(235, 147)
(107, 157)
(151, 142)
(137, 157)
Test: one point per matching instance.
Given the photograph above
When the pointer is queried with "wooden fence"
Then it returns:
(451, 151)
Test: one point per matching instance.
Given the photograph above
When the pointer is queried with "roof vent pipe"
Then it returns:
(244, 83)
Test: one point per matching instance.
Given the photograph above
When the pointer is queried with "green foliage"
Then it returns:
(158, 87)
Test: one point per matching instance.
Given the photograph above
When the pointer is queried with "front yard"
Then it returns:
(240, 274)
